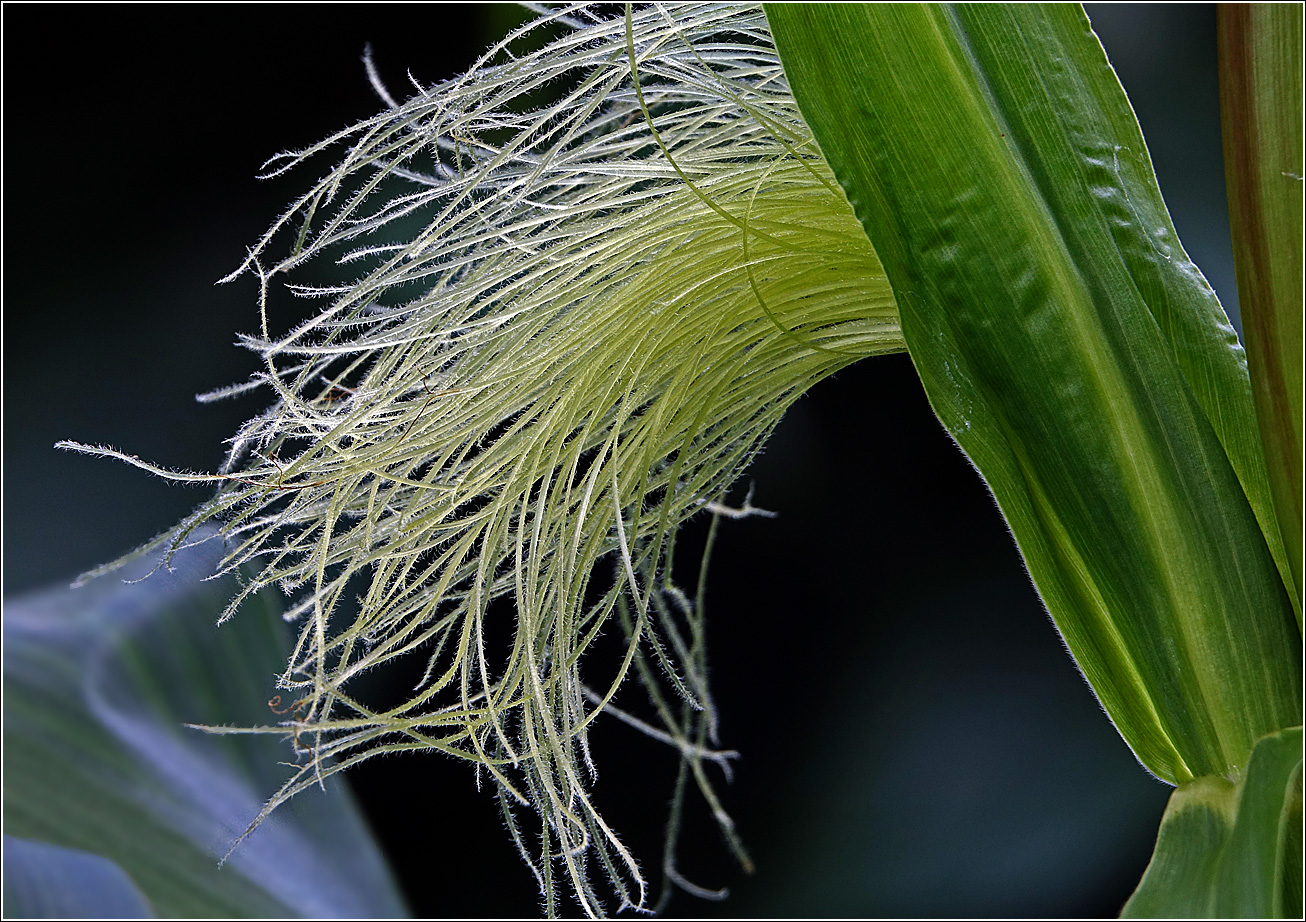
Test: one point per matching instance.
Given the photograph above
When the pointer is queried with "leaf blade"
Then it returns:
(98, 684)
(43, 881)
(1260, 106)
(1071, 349)
(1231, 851)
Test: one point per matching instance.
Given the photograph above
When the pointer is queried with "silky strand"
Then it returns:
(581, 286)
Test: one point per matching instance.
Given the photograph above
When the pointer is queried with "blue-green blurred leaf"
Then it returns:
(98, 685)
(43, 881)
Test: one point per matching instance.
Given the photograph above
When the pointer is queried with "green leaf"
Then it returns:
(99, 683)
(1231, 851)
(1070, 347)
(1261, 107)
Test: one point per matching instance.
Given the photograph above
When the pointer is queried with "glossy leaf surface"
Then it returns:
(1071, 348)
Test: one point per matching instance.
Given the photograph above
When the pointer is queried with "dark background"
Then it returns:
(915, 739)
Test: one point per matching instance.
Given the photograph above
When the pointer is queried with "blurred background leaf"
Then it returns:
(44, 881)
(99, 683)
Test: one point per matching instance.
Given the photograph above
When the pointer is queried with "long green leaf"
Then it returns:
(1261, 107)
(99, 683)
(1231, 851)
(1070, 347)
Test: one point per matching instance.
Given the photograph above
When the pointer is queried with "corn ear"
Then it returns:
(575, 290)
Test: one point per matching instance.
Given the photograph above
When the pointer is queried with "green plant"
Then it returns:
(1084, 365)
(399, 399)
(591, 363)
